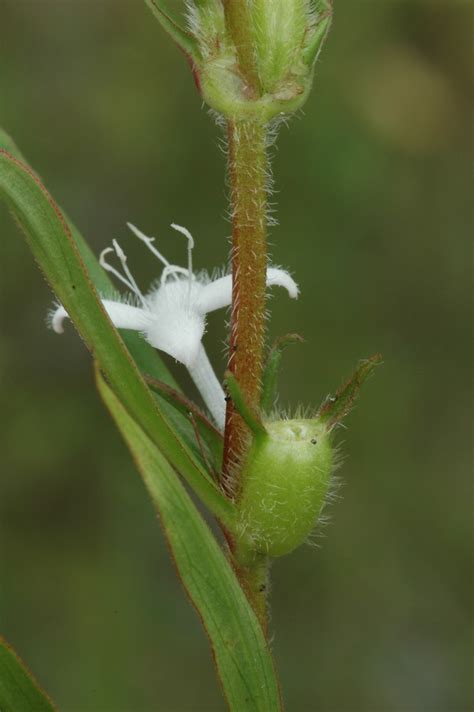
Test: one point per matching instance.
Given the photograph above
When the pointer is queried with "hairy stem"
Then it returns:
(248, 173)
(248, 170)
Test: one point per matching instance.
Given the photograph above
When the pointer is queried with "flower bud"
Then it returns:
(284, 483)
(285, 38)
(287, 471)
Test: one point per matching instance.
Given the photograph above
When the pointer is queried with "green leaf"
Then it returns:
(185, 40)
(272, 369)
(336, 407)
(240, 649)
(57, 253)
(19, 691)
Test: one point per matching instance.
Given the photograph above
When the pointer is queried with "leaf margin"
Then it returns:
(8, 658)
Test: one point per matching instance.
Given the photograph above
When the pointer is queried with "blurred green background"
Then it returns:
(375, 214)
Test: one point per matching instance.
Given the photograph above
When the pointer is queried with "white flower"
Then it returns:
(172, 315)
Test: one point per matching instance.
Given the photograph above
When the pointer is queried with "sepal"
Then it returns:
(319, 32)
(272, 369)
(185, 40)
(335, 408)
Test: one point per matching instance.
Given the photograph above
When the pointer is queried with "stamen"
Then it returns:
(108, 268)
(149, 243)
(123, 259)
(184, 231)
(130, 282)
(173, 270)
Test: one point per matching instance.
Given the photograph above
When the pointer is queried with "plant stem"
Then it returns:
(254, 579)
(248, 170)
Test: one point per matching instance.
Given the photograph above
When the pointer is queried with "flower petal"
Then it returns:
(209, 387)
(215, 295)
(277, 277)
(123, 316)
(218, 294)
(178, 333)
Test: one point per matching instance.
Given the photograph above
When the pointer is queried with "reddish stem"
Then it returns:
(248, 170)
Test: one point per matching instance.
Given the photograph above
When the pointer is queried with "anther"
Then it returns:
(184, 231)
(149, 243)
(123, 259)
(130, 283)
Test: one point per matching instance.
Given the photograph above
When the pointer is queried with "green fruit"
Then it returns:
(285, 480)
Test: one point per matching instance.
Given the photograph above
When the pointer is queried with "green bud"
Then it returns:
(255, 61)
(284, 483)
(287, 471)
(286, 36)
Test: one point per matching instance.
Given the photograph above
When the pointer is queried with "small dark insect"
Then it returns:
(314, 441)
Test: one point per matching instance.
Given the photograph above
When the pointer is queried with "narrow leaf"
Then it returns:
(272, 369)
(336, 407)
(19, 691)
(185, 40)
(239, 647)
(56, 252)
